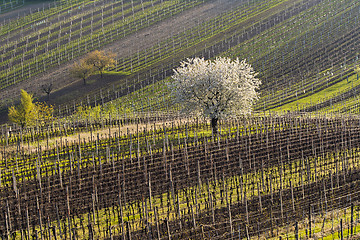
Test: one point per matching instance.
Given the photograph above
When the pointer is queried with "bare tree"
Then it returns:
(47, 88)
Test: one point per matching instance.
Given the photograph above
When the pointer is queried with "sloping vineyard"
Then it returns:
(6, 6)
(300, 47)
(306, 54)
(152, 56)
(295, 62)
(120, 161)
(69, 34)
(207, 40)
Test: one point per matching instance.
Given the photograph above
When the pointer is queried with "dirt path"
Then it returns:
(141, 40)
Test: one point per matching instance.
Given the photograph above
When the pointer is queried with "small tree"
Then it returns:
(100, 60)
(215, 89)
(47, 88)
(26, 112)
(82, 70)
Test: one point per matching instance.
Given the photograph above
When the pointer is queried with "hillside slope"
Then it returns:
(138, 41)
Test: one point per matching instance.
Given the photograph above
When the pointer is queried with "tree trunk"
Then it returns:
(214, 124)
(84, 81)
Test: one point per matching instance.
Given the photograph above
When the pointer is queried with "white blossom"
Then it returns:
(215, 89)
